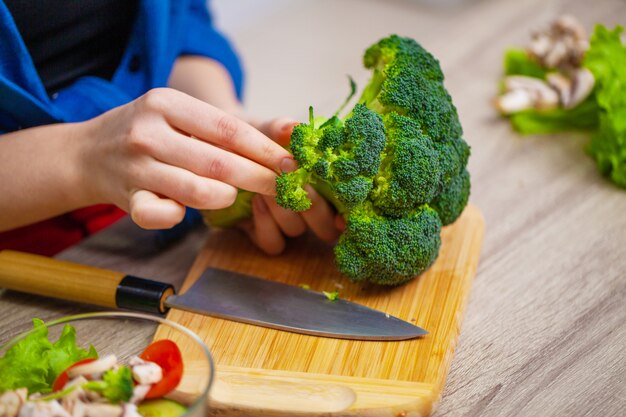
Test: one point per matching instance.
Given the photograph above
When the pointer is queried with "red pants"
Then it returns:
(53, 235)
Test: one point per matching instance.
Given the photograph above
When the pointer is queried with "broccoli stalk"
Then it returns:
(394, 167)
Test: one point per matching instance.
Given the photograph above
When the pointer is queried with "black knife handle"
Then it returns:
(140, 294)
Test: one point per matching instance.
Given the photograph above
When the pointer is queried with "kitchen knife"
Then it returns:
(218, 293)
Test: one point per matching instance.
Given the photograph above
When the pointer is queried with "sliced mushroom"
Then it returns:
(562, 45)
(95, 367)
(582, 85)
(556, 55)
(540, 45)
(547, 98)
(516, 82)
(568, 24)
(562, 85)
(524, 93)
(514, 101)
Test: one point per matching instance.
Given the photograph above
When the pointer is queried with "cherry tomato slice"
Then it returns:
(63, 378)
(166, 354)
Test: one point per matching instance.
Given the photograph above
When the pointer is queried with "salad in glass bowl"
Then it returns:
(49, 372)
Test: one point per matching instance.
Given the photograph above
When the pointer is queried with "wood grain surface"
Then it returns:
(371, 372)
(545, 328)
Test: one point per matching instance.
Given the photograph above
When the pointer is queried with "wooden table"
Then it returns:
(545, 330)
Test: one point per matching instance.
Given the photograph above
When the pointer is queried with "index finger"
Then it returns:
(210, 124)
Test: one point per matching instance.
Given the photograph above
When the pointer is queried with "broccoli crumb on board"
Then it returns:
(332, 296)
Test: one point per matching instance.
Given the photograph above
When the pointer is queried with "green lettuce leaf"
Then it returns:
(116, 385)
(25, 363)
(65, 352)
(582, 117)
(34, 362)
(606, 59)
(518, 62)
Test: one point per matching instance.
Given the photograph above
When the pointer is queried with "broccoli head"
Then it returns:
(394, 166)
(388, 250)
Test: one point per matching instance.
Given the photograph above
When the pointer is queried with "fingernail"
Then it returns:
(288, 165)
(260, 204)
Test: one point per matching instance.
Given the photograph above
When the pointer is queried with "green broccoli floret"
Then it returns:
(394, 166)
(340, 157)
(450, 203)
(388, 250)
(411, 173)
(116, 385)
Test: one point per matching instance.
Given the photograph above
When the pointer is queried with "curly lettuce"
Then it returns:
(606, 59)
(35, 362)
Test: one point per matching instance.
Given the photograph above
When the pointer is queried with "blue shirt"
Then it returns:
(163, 31)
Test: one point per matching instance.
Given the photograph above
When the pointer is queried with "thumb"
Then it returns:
(150, 211)
(279, 130)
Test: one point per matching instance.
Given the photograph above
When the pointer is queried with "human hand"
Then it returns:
(271, 224)
(167, 150)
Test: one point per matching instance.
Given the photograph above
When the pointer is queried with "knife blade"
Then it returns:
(217, 293)
(239, 297)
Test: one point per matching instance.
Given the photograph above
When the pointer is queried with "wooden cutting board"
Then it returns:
(265, 372)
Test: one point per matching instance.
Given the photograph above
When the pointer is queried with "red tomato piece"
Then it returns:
(63, 378)
(166, 354)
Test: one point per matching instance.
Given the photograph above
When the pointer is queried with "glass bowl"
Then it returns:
(128, 334)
